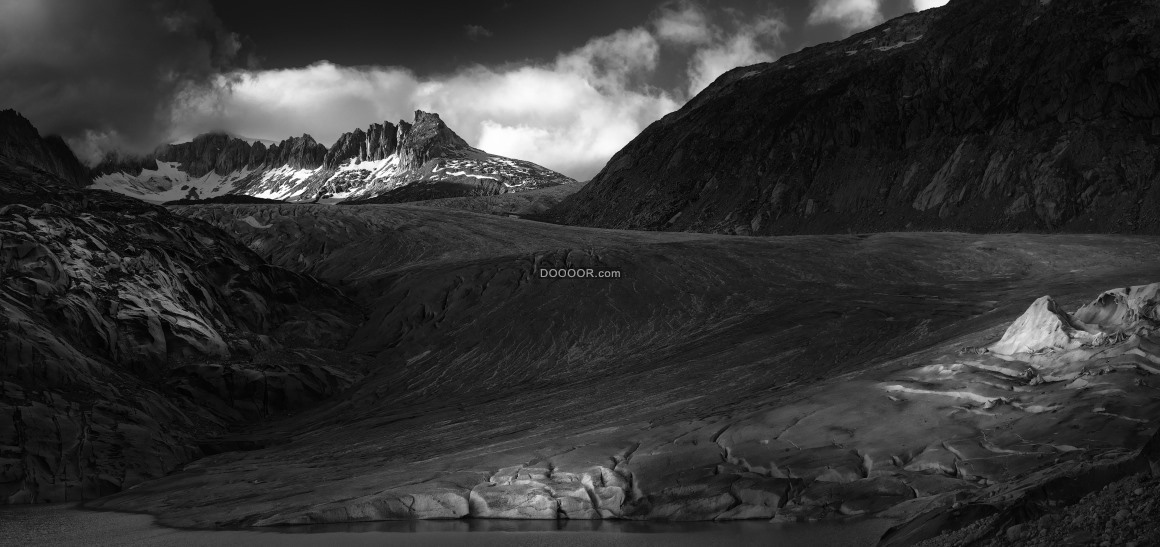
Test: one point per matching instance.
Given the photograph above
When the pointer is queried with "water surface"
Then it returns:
(65, 525)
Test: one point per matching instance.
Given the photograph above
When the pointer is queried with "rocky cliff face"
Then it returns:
(989, 115)
(18, 138)
(429, 138)
(297, 153)
(378, 142)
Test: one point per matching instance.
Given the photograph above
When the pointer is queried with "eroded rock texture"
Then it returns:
(983, 115)
(129, 335)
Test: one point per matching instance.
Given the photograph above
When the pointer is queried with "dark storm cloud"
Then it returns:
(103, 73)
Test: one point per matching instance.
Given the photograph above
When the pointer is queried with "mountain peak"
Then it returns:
(427, 138)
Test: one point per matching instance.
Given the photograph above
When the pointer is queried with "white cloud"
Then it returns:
(570, 115)
(853, 15)
(920, 5)
(751, 43)
(683, 23)
(324, 99)
(613, 61)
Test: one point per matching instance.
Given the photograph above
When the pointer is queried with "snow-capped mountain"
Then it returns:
(386, 162)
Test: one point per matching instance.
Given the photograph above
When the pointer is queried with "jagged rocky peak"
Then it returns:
(20, 140)
(428, 138)
(382, 140)
(297, 152)
(376, 143)
(257, 155)
(981, 115)
(403, 131)
(197, 157)
(235, 156)
(351, 145)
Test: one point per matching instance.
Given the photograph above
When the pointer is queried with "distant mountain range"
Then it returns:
(386, 162)
(981, 115)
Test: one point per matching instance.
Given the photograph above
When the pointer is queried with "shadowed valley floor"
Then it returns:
(718, 378)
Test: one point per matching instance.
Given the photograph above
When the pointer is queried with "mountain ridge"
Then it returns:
(980, 116)
(361, 164)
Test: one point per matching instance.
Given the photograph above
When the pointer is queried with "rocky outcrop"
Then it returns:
(296, 152)
(403, 131)
(982, 115)
(234, 156)
(18, 138)
(117, 321)
(376, 143)
(205, 153)
(426, 139)
(351, 145)
(382, 141)
(257, 156)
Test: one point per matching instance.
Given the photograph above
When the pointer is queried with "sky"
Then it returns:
(563, 84)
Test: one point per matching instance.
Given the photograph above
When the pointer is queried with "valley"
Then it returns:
(720, 378)
(902, 287)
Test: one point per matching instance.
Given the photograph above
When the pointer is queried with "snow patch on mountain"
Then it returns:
(168, 182)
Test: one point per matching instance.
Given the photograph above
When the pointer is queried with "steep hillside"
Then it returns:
(19, 139)
(982, 115)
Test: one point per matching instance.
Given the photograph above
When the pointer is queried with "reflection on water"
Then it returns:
(63, 524)
(511, 525)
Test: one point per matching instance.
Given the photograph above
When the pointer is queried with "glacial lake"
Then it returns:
(64, 524)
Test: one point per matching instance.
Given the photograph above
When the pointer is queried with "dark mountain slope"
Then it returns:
(989, 115)
(18, 138)
(131, 338)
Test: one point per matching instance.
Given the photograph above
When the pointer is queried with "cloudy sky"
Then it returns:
(563, 84)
